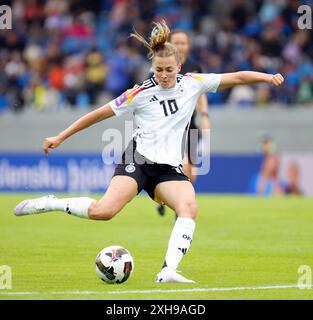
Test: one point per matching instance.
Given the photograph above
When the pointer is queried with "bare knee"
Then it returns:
(187, 209)
(98, 211)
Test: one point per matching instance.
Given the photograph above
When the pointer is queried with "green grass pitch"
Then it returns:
(239, 242)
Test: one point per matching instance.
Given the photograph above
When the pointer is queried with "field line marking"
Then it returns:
(288, 286)
(269, 287)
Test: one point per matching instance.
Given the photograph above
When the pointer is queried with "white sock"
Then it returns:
(75, 206)
(179, 242)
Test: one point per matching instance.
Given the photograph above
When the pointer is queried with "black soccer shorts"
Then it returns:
(146, 173)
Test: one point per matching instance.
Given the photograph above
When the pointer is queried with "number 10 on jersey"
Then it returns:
(169, 106)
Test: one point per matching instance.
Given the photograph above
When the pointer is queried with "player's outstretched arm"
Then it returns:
(86, 121)
(249, 77)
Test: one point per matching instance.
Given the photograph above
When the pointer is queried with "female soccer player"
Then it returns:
(162, 107)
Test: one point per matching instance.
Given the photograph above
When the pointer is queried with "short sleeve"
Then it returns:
(209, 82)
(125, 102)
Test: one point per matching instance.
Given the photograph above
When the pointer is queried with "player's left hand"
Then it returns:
(277, 80)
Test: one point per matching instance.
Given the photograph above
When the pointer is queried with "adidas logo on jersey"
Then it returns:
(154, 98)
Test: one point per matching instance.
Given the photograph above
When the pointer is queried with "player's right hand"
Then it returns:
(277, 80)
(51, 143)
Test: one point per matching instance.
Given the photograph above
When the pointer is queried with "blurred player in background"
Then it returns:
(181, 40)
(267, 182)
(291, 185)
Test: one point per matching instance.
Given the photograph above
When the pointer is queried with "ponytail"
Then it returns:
(159, 45)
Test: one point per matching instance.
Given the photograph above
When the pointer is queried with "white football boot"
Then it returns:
(169, 275)
(33, 206)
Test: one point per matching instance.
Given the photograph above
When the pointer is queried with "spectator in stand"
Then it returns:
(95, 75)
(73, 78)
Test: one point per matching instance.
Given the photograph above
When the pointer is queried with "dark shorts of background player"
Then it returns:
(147, 173)
(192, 144)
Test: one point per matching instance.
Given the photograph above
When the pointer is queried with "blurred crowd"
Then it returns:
(67, 53)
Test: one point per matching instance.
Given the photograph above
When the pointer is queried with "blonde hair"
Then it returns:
(159, 45)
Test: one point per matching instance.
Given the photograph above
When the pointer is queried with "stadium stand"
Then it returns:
(62, 54)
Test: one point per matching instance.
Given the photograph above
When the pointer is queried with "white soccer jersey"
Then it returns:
(162, 115)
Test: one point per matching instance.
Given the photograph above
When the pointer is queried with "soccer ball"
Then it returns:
(114, 264)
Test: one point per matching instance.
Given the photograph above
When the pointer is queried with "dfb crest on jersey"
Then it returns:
(130, 168)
